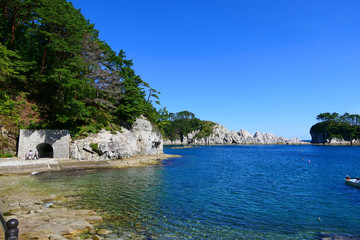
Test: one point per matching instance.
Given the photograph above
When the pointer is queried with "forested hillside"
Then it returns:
(177, 125)
(55, 72)
(334, 125)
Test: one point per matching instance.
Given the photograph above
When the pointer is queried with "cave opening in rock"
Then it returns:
(45, 150)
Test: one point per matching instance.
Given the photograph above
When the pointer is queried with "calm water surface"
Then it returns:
(228, 192)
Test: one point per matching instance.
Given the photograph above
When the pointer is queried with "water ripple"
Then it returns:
(229, 192)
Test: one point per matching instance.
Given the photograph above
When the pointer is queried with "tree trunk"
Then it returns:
(14, 24)
(43, 61)
(44, 57)
(5, 7)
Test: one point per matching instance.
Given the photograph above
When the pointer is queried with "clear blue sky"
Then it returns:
(259, 65)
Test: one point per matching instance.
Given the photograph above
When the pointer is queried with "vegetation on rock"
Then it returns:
(94, 146)
(51, 59)
(178, 125)
(334, 125)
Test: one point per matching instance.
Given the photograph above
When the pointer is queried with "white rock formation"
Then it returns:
(142, 139)
(336, 141)
(221, 135)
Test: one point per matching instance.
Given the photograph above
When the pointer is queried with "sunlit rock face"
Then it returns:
(221, 135)
(141, 139)
(334, 141)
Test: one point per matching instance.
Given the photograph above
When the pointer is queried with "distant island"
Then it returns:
(184, 128)
(336, 129)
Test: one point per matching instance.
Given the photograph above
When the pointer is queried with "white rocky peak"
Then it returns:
(221, 135)
(244, 134)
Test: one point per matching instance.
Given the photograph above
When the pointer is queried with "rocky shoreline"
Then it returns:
(38, 219)
(221, 135)
(16, 165)
(45, 216)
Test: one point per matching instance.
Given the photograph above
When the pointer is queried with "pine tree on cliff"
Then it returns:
(54, 55)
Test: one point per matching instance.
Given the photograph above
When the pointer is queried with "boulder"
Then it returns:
(104, 232)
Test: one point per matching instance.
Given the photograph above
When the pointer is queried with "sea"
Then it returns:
(226, 192)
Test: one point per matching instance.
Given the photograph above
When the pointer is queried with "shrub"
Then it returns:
(94, 146)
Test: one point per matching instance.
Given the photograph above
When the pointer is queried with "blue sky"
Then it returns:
(259, 65)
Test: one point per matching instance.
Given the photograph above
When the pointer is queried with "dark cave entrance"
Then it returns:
(45, 150)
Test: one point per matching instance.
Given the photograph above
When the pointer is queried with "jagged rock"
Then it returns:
(244, 134)
(323, 138)
(8, 139)
(221, 135)
(319, 137)
(336, 141)
(56, 237)
(97, 237)
(141, 139)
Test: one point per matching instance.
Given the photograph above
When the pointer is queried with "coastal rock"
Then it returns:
(322, 138)
(319, 137)
(141, 139)
(56, 237)
(104, 232)
(8, 139)
(335, 133)
(38, 221)
(97, 237)
(222, 135)
(337, 141)
(244, 134)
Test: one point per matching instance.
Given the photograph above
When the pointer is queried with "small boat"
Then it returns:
(353, 182)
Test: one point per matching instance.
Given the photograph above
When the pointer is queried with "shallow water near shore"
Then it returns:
(226, 192)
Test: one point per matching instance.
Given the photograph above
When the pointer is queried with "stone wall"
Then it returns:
(36, 140)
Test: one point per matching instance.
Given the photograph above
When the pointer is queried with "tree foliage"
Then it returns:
(178, 125)
(352, 119)
(53, 55)
(334, 125)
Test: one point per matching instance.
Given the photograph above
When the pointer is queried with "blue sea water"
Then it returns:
(229, 192)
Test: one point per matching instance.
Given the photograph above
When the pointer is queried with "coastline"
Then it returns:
(44, 215)
(231, 144)
(175, 145)
(21, 166)
(38, 219)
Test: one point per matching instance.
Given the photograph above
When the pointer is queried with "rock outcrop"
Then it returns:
(141, 139)
(42, 216)
(222, 135)
(8, 139)
(322, 139)
(335, 133)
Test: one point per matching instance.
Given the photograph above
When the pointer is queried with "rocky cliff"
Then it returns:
(335, 133)
(322, 138)
(221, 135)
(8, 140)
(141, 139)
